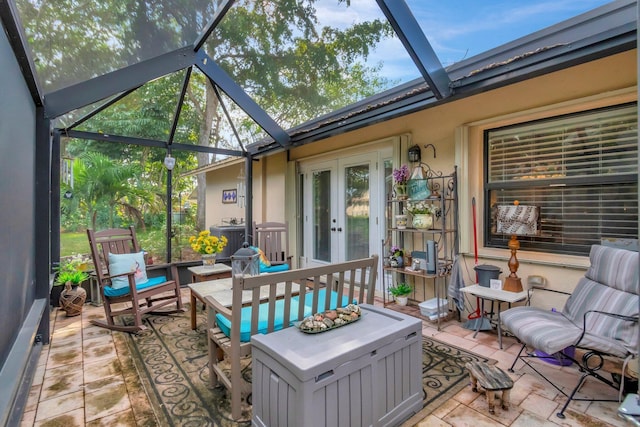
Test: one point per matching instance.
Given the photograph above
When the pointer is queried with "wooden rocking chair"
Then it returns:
(272, 238)
(124, 287)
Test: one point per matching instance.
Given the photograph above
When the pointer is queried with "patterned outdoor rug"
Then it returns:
(171, 362)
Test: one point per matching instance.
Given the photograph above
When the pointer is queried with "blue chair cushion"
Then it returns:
(110, 291)
(245, 323)
(274, 268)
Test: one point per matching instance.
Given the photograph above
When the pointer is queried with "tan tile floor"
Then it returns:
(63, 395)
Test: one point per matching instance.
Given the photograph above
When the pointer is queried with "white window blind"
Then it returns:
(580, 169)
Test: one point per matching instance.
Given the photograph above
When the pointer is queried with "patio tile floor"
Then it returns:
(63, 394)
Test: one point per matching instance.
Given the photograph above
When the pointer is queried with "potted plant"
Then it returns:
(71, 273)
(208, 246)
(397, 256)
(421, 213)
(401, 178)
(401, 292)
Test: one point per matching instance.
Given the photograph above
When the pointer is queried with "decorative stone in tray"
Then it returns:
(331, 319)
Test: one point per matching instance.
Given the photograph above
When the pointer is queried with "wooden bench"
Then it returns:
(491, 379)
(328, 286)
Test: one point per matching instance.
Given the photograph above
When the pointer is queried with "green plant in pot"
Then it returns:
(401, 292)
(70, 274)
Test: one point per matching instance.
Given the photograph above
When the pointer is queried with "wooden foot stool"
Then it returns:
(491, 379)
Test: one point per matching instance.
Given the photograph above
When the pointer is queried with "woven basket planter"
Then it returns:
(72, 299)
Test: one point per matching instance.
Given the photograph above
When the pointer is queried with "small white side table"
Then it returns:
(497, 295)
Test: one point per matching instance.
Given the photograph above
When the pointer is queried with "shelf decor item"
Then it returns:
(421, 213)
(401, 221)
(401, 178)
(401, 292)
(397, 256)
(422, 221)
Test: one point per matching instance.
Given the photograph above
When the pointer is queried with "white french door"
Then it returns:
(342, 208)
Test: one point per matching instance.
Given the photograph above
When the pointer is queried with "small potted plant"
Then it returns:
(401, 292)
(422, 213)
(401, 178)
(71, 273)
(208, 246)
(397, 256)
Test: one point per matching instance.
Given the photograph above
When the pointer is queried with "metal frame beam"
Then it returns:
(211, 25)
(18, 40)
(415, 42)
(149, 142)
(90, 91)
(240, 97)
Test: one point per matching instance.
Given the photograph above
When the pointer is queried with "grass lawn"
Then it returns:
(74, 243)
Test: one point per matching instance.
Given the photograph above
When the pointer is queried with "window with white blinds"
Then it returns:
(580, 169)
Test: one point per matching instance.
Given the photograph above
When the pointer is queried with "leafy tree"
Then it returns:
(276, 50)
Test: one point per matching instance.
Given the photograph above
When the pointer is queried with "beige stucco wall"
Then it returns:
(455, 129)
(268, 190)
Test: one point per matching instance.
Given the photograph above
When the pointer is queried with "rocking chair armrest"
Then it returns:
(171, 270)
(107, 276)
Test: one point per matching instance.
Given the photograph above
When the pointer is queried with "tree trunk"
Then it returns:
(203, 158)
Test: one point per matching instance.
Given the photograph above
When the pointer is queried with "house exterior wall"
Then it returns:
(455, 129)
(268, 190)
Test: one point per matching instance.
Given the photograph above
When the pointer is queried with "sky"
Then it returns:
(458, 29)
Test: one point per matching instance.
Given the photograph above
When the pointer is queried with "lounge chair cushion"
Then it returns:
(126, 263)
(245, 326)
(544, 330)
(118, 292)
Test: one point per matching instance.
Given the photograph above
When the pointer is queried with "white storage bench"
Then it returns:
(368, 373)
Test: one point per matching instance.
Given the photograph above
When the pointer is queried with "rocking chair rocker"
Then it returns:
(124, 286)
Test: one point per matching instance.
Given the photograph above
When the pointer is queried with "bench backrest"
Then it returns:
(321, 288)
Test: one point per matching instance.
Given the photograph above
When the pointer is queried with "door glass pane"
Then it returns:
(356, 204)
(322, 216)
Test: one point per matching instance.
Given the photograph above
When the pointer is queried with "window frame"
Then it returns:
(493, 240)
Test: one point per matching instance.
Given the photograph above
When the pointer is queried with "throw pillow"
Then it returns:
(125, 263)
(264, 261)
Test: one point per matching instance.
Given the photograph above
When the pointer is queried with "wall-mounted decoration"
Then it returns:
(230, 196)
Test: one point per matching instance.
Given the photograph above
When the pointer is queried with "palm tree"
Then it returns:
(101, 182)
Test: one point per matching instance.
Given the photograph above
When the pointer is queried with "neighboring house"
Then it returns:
(549, 88)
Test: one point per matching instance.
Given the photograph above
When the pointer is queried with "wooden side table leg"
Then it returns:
(193, 311)
(506, 399)
(491, 399)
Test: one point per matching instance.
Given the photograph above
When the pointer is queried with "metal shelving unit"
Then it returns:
(444, 233)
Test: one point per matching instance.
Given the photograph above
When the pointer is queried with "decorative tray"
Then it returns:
(330, 319)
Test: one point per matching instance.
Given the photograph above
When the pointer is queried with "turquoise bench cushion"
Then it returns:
(118, 292)
(273, 268)
(245, 323)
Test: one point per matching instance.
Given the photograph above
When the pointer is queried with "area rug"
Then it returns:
(171, 362)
